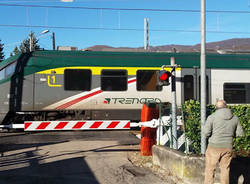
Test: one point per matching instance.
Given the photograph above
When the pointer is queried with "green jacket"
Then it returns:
(221, 127)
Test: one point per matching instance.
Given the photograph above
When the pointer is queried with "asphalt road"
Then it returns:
(94, 157)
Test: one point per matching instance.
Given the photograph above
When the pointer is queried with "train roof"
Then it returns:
(9, 60)
(55, 59)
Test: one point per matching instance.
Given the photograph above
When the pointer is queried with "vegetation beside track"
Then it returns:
(192, 123)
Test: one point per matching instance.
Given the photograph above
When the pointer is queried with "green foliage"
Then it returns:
(191, 112)
(25, 45)
(15, 51)
(242, 144)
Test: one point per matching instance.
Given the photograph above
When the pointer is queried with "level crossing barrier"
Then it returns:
(72, 125)
(155, 131)
(76, 125)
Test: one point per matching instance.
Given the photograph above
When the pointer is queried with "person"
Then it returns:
(220, 128)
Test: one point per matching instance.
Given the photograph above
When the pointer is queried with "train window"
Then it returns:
(2, 73)
(188, 87)
(146, 80)
(237, 92)
(77, 79)
(10, 69)
(114, 80)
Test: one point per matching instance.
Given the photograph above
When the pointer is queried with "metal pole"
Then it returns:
(173, 94)
(146, 36)
(30, 42)
(203, 74)
(53, 41)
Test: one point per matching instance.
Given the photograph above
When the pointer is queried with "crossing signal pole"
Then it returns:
(163, 80)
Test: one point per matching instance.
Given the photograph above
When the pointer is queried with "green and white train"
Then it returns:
(57, 85)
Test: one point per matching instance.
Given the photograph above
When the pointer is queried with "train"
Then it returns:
(92, 85)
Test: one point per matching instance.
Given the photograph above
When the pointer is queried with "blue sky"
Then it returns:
(162, 23)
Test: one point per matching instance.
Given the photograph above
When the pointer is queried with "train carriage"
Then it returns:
(49, 85)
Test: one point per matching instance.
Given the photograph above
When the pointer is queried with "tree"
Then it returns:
(25, 45)
(1, 51)
(15, 51)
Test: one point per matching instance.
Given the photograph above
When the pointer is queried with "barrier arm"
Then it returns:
(12, 126)
(154, 123)
(87, 124)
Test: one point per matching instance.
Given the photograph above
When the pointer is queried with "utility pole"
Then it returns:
(173, 94)
(31, 42)
(146, 33)
(203, 75)
(32, 39)
(53, 41)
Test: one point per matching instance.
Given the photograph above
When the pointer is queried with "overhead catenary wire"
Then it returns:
(124, 9)
(121, 9)
(120, 29)
(42, 1)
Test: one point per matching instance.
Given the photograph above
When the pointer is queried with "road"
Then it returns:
(94, 157)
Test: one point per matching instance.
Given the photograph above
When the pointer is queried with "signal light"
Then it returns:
(163, 77)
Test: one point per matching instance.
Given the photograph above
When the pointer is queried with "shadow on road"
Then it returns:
(240, 166)
(24, 160)
(67, 153)
(24, 163)
(29, 168)
(74, 170)
(11, 147)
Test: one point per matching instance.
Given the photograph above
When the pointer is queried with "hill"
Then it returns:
(236, 45)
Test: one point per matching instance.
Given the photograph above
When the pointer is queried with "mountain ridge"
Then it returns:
(231, 45)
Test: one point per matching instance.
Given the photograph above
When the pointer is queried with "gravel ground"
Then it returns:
(146, 162)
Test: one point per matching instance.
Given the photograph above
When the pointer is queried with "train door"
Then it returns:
(28, 93)
(21, 87)
(191, 84)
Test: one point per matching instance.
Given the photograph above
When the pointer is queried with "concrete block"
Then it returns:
(188, 168)
(191, 169)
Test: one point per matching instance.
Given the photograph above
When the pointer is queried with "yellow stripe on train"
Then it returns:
(97, 70)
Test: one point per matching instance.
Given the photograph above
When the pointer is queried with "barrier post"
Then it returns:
(148, 135)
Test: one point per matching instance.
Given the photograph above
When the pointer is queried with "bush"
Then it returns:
(191, 113)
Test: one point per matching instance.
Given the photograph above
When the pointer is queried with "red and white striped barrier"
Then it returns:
(76, 125)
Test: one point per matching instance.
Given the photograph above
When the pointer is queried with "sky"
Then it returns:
(121, 26)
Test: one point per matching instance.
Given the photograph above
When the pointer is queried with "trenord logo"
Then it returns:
(131, 100)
